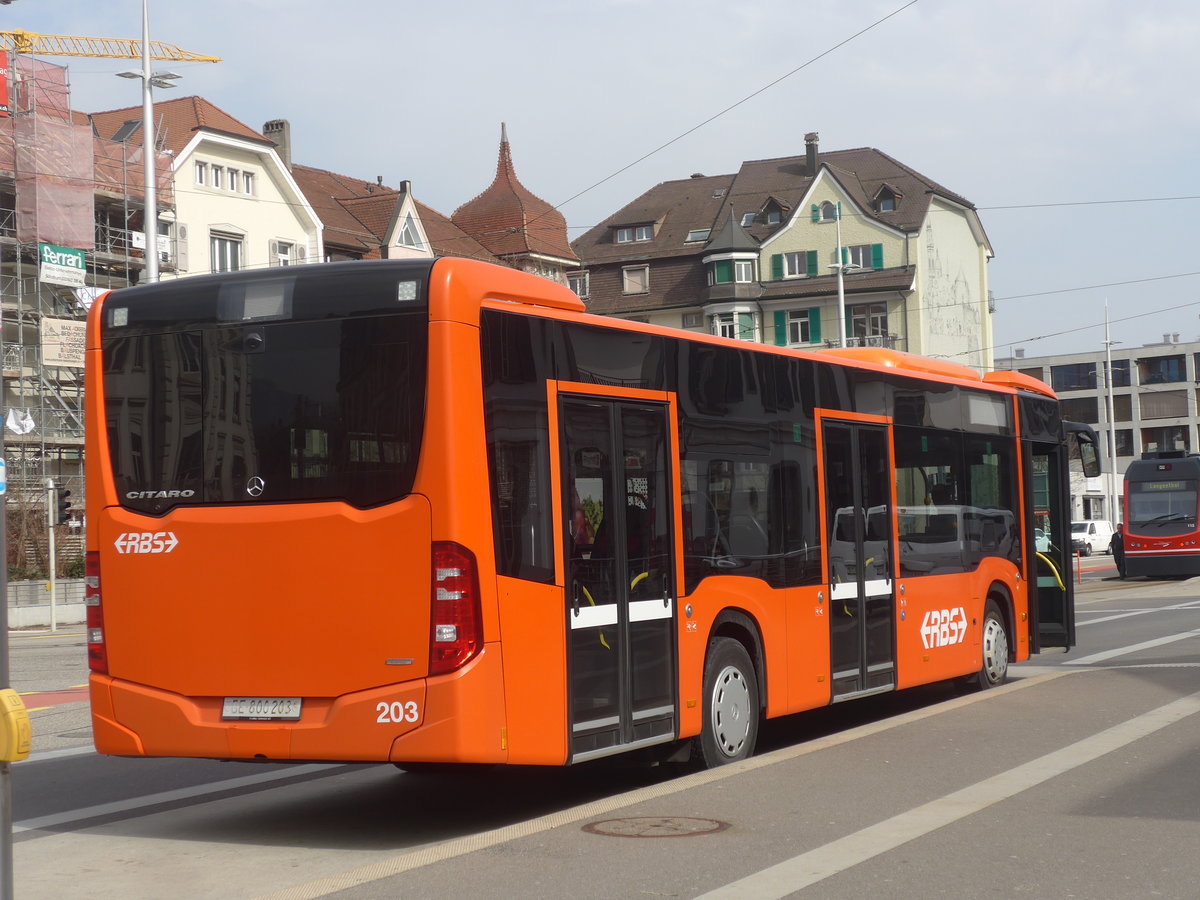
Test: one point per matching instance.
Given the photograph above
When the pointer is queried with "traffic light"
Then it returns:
(62, 506)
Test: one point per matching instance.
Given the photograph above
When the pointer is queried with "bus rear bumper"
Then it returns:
(456, 717)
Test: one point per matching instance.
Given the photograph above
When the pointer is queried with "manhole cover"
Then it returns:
(656, 826)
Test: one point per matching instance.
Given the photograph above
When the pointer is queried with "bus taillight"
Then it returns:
(457, 622)
(97, 653)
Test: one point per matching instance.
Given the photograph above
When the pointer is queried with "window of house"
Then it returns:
(864, 256)
(698, 234)
(201, 173)
(1164, 405)
(1123, 408)
(635, 280)
(1162, 370)
(1073, 377)
(1080, 409)
(748, 219)
(1124, 442)
(282, 253)
(868, 320)
(226, 252)
(633, 234)
(1034, 372)
(828, 212)
(235, 180)
(773, 217)
(578, 282)
(409, 236)
(737, 325)
(887, 203)
(803, 326)
(1160, 440)
(743, 271)
(795, 265)
(248, 182)
(218, 176)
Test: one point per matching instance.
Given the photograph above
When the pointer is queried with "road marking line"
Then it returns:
(452, 849)
(816, 865)
(105, 809)
(1132, 648)
(1191, 604)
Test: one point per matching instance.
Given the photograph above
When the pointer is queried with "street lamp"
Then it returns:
(842, 267)
(150, 80)
(1114, 514)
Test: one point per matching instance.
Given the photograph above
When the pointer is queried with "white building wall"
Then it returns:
(273, 212)
(950, 317)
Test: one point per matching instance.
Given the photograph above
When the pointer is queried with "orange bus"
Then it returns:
(434, 512)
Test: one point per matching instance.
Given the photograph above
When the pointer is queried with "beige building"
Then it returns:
(756, 256)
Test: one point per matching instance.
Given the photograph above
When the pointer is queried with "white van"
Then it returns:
(1093, 536)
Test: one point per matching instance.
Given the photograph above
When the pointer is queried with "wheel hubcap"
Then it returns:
(731, 711)
(995, 650)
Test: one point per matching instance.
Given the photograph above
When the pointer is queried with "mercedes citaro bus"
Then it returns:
(433, 511)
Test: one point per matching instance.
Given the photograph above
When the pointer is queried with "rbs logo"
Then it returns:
(943, 627)
(146, 542)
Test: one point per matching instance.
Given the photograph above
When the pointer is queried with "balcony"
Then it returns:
(888, 341)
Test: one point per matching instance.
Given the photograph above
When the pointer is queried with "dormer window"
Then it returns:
(635, 233)
(887, 199)
(773, 216)
(698, 234)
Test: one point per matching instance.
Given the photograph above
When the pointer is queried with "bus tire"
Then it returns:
(731, 708)
(994, 670)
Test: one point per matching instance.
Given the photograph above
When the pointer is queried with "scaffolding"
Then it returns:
(71, 223)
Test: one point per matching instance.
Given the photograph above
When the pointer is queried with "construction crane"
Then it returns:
(34, 44)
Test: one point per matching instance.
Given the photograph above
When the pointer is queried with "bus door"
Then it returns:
(619, 573)
(1051, 588)
(858, 509)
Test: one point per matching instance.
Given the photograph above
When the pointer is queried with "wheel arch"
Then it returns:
(1001, 593)
(742, 627)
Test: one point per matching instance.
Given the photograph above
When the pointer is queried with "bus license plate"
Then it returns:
(261, 708)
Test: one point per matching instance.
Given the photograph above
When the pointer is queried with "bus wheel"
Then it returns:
(994, 670)
(731, 710)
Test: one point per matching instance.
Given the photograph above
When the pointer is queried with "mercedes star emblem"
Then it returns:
(255, 486)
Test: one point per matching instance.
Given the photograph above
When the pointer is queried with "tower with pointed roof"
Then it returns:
(516, 225)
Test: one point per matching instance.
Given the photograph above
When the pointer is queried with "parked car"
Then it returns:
(1092, 536)
(1041, 540)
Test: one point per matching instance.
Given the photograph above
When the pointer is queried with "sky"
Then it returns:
(1072, 125)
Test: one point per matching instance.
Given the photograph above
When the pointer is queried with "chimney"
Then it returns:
(1175, 337)
(810, 154)
(280, 131)
(406, 187)
(1019, 353)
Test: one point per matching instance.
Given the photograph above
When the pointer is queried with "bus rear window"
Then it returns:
(267, 412)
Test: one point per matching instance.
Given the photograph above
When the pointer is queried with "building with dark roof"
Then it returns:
(756, 256)
(515, 225)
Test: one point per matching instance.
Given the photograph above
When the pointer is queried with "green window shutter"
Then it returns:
(781, 336)
(811, 262)
(816, 213)
(877, 256)
(845, 256)
(849, 324)
(814, 325)
(745, 326)
(723, 271)
(776, 266)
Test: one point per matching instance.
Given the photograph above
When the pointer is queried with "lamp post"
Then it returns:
(842, 267)
(1114, 514)
(150, 80)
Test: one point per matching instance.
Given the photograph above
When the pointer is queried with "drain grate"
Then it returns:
(656, 827)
